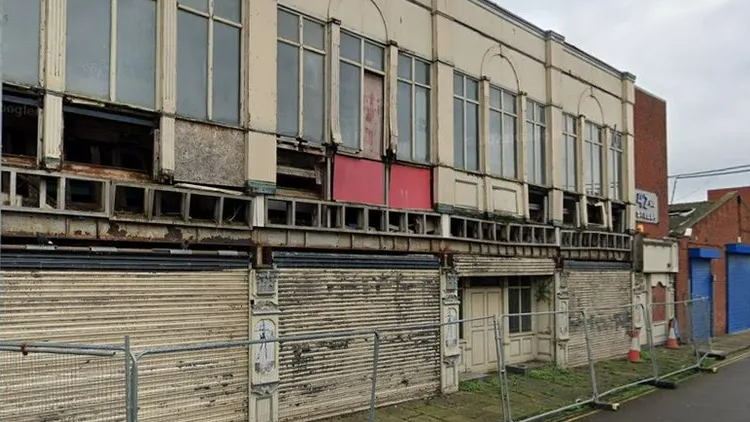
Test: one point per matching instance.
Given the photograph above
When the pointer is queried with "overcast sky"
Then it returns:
(693, 53)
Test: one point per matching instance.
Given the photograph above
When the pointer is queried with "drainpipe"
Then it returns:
(739, 218)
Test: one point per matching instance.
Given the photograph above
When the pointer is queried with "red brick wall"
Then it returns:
(650, 119)
(720, 228)
(716, 194)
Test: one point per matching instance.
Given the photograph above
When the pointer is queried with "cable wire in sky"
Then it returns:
(715, 172)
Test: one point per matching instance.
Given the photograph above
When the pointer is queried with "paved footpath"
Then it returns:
(722, 397)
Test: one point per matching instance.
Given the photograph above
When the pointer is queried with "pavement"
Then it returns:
(731, 344)
(722, 397)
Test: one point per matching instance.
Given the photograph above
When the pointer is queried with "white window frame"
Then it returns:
(525, 284)
(616, 155)
(505, 110)
(413, 126)
(211, 16)
(466, 100)
(570, 137)
(363, 69)
(589, 142)
(536, 118)
(302, 47)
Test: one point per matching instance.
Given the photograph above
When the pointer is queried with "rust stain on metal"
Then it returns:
(373, 113)
(104, 172)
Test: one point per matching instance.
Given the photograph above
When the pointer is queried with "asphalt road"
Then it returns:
(721, 397)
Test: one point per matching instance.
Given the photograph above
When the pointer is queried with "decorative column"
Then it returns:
(449, 346)
(264, 358)
(167, 72)
(553, 160)
(54, 82)
(562, 319)
(628, 131)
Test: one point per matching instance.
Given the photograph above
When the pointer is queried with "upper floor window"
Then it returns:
(615, 166)
(208, 59)
(465, 122)
(113, 59)
(569, 158)
(300, 72)
(361, 93)
(502, 147)
(536, 127)
(413, 109)
(592, 159)
(21, 41)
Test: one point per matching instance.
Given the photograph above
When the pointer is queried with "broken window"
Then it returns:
(465, 122)
(592, 160)
(413, 109)
(595, 211)
(20, 125)
(615, 165)
(101, 138)
(301, 98)
(619, 223)
(90, 40)
(202, 77)
(535, 143)
(21, 38)
(362, 71)
(537, 206)
(570, 211)
(569, 153)
(300, 174)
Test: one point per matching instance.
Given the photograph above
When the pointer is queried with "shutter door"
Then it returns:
(599, 287)
(701, 287)
(738, 293)
(320, 379)
(155, 309)
(480, 266)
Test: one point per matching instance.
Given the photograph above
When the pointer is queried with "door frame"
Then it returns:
(706, 255)
(739, 251)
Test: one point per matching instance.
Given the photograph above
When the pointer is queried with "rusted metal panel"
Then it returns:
(610, 329)
(103, 172)
(320, 379)
(358, 180)
(155, 309)
(410, 187)
(372, 147)
(209, 154)
(478, 266)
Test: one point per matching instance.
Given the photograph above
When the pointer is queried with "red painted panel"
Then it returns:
(358, 180)
(411, 188)
(659, 295)
(373, 111)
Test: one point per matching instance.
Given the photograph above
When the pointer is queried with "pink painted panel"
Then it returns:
(358, 180)
(410, 187)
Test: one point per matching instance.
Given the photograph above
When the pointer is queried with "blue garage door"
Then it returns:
(738, 293)
(700, 287)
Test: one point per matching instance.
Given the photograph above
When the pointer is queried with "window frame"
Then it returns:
(363, 69)
(535, 109)
(413, 86)
(503, 111)
(520, 286)
(590, 143)
(41, 53)
(302, 48)
(570, 137)
(211, 18)
(615, 155)
(465, 100)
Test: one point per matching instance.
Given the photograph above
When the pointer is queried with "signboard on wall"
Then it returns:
(646, 207)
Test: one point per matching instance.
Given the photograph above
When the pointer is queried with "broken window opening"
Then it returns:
(168, 204)
(300, 174)
(84, 195)
(376, 220)
(36, 191)
(397, 222)
(354, 218)
(204, 208)
(618, 218)
(458, 227)
(20, 125)
(130, 200)
(537, 206)
(570, 211)
(472, 229)
(306, 215)
(236, 211)
(278, 212)
(99, 138)
(595, 211)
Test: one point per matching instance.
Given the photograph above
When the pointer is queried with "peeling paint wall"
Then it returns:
(209, 154)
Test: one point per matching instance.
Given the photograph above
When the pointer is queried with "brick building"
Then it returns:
(713, 259)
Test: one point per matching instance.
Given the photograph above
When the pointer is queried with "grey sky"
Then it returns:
(693, 53)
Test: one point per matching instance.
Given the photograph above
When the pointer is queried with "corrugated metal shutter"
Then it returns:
(478, 266)
(738, 293)
(321, 379)
(155, 309)
(701, 278)
(610, 330)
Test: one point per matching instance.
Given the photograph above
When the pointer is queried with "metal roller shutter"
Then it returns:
(595, 286)
(738, 293)
(155, 309)
(479, 266)
(320, 379)
(701, 287)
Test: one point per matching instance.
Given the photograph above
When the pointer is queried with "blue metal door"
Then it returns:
(701, 287)
(738, 293)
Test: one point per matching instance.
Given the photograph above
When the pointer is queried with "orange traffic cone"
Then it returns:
(671, 337)
(634, 354)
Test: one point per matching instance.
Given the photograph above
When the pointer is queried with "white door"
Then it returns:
(481, 356)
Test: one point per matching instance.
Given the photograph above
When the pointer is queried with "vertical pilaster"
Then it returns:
(562, 318)
(259, 51)
(449, 333)
(521, 156)
(628, 131)
(167, 82)
(55, 23)
(264, 358)
(554, 159)
(443, 178)
(485, 159)
(334, 38)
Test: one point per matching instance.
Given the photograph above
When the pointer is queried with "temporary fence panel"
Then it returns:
(701, 286)
(155, 308)
(738, 292)
(321, 379)
(594, 285)
(488, 266)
